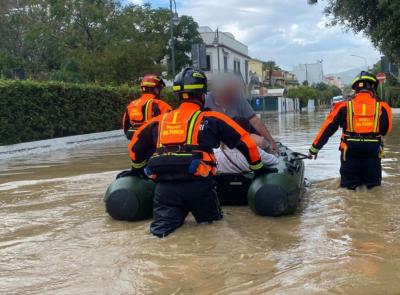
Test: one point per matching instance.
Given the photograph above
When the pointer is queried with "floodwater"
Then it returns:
(55, 237)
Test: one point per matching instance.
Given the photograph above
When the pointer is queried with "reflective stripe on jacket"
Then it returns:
(188, 131)
(363, 118)
(142, 110)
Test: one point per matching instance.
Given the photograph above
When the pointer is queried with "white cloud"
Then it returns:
(294, 27)
(322, 24)
(287, 31)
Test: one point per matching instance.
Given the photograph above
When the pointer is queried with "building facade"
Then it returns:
(312, 73)
(256, 68)
(334, 81)
(283, 79)
(275, 104)
(256, 77)
(225, 54)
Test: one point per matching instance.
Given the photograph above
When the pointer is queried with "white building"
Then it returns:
(225, 54)
(334, 81)
(312, 73)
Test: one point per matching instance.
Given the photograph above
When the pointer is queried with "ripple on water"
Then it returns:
(56, 238)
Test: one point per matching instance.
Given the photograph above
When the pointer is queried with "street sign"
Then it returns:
(381, 77)
(199, 56)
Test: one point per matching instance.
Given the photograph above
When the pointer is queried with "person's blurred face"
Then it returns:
(227, 93)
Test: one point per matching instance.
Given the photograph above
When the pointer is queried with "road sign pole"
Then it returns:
(382, 78)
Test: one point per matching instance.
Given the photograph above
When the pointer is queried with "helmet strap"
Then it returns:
(152, 90)
(197, 98)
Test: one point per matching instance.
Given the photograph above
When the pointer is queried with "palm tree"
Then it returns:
(270, 66)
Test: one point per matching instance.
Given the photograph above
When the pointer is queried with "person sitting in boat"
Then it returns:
(226, 97)
(233, 161)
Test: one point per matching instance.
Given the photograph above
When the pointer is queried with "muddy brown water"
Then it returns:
(55, 237)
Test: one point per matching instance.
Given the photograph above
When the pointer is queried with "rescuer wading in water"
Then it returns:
(148, 106)
(364, 120)
(177, 150)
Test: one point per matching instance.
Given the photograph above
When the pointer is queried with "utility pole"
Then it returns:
(171, 24)
(322, 69)
(306, 73)
(363, 58)
(219, 66)
(216, 45)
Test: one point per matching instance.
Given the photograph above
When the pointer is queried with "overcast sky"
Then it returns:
(287, 31)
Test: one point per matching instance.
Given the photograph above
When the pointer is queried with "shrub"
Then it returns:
(41, 110)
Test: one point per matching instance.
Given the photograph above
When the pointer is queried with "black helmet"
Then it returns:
(365, 81)
(191, 84)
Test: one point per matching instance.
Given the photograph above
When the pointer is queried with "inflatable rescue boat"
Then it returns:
(274, 194)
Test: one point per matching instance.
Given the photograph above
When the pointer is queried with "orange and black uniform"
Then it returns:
(142, 110)
(177, 148)
(364, 121)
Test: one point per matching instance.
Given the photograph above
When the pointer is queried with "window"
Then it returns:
(236, 66)
(225, 63)
(246, 71)
(208, 68)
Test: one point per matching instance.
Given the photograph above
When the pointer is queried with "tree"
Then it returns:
(186, 34)
(391, 87)
(320, 91)
(378, 19)
(89, 41)
(304, 94)
(270, 66)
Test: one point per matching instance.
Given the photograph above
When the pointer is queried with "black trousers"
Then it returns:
(357, 171)
(174, 200)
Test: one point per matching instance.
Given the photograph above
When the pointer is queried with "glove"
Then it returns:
(264, 170)
(129, 133)
(313, 152)
(131, 172)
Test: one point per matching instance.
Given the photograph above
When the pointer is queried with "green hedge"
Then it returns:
(35, 110)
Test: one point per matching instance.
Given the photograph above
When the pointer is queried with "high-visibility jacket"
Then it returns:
(179, 144)
(142, 110)
(364, 121)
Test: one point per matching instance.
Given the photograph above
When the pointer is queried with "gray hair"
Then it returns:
(222, 80)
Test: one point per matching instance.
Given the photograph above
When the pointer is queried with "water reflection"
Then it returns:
(55, 237)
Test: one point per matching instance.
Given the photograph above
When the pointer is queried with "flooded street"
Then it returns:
(55, 237)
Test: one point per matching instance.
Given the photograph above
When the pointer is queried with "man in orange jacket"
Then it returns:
(364, 120)
(148, 106)
(177, 151)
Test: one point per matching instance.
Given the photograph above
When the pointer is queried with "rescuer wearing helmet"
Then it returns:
(364, 121)
(177, 148)
(146, 107)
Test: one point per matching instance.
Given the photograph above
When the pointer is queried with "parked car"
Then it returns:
(337, 99)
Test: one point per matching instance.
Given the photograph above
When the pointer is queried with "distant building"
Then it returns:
(256, 68)
(256, 77)
(280, 78)
(312, 73)
(283, 78)
(390, 68)
(225, 54)
(275, 101)
(334, 81)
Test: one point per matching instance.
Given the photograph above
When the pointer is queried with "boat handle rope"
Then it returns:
(300, 156)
